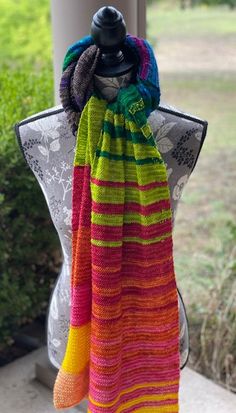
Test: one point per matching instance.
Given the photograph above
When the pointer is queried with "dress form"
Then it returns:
(48, 147)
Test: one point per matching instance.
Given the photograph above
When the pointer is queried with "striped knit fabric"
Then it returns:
(123, 347)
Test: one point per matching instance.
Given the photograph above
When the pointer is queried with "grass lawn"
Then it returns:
(166, 19)
(208, 200)
(197, 62)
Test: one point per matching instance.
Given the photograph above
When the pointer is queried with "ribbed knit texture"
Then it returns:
(123, 346)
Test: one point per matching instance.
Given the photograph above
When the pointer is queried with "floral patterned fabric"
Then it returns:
(48, 147)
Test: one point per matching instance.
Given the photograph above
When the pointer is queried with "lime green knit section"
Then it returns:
(117, 142)
(116, 195)
(142, 173)
(129, 218)
(127, 146)
(89, 131)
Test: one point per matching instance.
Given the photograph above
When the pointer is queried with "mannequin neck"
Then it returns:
(109, 86)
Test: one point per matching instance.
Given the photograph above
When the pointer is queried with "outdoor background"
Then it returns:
(195, 45)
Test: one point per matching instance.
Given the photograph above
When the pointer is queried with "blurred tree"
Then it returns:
(191, 3)
(184, 4)
(230, 3)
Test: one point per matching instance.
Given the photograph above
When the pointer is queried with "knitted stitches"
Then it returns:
(123, 345)
(79, 66)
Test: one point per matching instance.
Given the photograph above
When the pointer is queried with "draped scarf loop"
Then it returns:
(123, 351)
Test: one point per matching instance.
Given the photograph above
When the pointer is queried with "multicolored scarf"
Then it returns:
(123, 350)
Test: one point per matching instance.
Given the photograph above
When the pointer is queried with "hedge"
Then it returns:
(29, 247)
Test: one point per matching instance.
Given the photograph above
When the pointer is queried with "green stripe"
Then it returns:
(118, 132)
(100, 243)
(115, 109)
(105, 219)
(120, 146)
(129, 218)
(145, 241)
(124, 157)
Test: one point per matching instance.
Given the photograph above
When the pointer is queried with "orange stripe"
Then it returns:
(104, 269)
(148, 263)
(81, 256)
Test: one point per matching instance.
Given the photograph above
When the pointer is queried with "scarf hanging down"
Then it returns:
(123, 350)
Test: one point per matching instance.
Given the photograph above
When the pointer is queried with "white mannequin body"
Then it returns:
(48, 147)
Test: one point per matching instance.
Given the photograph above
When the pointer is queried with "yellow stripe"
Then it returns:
(140, 386)
(78, 349)
(161, 409)
(150, 409)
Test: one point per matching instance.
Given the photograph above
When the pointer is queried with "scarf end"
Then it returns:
(70, 389)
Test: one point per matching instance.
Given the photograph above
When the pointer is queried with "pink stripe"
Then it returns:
(137, 271)
(115, 233)
(131, 272)
(136, 372)
(161, 310)
(136, 376)
(153, 329)
(131, 184)
(133, 250)
(81, 304)
(81, 198)
(105, 208)
(103, 255)
(149, 346)
(160, 361)
(148, 209)
(134, 292)
(147, 232)
(146, 292)
(145, 58)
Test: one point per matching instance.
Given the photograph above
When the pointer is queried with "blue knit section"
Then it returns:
(148, 86)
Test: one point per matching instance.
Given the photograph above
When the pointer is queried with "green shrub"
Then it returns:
(191, 3)
(28, 242)
(25, 29)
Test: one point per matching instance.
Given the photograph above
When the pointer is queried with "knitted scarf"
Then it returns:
(123, 350)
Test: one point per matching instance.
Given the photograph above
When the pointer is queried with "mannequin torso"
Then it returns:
(48, 147)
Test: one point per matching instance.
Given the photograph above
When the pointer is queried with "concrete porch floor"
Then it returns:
(21, 393)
